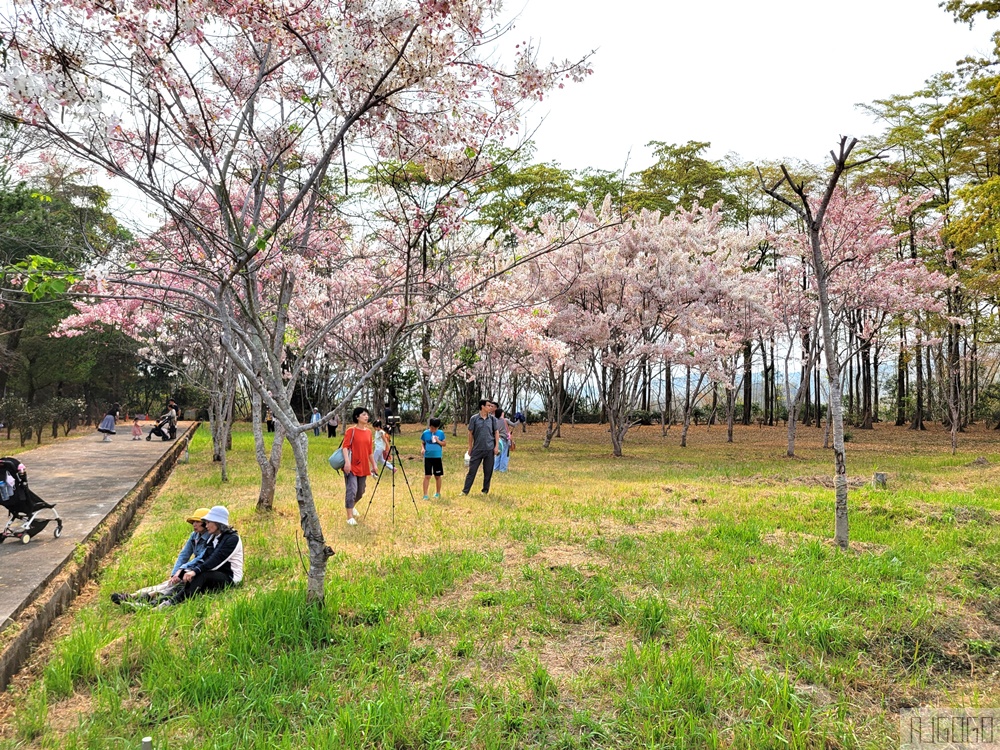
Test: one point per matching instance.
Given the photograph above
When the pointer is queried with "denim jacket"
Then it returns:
(192, 552)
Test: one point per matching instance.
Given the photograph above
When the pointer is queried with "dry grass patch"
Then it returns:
(792, 540)
(67, 714)
(582, 648)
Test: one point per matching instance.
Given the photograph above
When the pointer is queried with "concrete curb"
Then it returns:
(50, 600)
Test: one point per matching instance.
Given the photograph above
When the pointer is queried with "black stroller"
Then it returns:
(161, 428)
(23, 505)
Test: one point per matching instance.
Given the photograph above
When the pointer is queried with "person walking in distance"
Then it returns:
(484, 445)
(506, 442)
(172, 419)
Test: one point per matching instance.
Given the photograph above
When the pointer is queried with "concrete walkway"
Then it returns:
(86, 479)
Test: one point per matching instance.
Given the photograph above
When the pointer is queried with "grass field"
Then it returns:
(678, 598)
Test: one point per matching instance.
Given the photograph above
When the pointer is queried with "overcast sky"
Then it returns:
(767, 79)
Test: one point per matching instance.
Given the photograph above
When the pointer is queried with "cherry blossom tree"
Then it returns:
(813, 214)
(798, 322)
(635, 289)
(869, 284)
(233, 117)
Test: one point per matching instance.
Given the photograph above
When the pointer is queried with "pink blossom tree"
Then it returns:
(246, 108)
(813, 214)
(634, 290)
(869, 284)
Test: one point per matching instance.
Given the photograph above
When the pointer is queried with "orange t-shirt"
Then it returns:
(361, 445)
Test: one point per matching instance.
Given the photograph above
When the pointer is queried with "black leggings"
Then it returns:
(210, 580)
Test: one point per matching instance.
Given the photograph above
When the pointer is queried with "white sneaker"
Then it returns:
(352, 522)
(356, 514)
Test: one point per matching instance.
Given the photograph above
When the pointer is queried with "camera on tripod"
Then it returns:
(392, 420)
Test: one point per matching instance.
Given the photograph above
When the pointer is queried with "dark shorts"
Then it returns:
(433, 467)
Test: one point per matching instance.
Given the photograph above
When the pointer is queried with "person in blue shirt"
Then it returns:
(314, 420)
(432, 449)
(192, 553)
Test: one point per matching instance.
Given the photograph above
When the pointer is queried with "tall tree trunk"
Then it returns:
(835, 407)
(668, 395)
(850, 379)
(552, 405)
(561, 401)
(804, 377)
(747, 382)
(929, 379)
(269, 465)
(865, 371)
(901, 368)
(814, 223)
(690, 400)
(730, 412)
(800, 397)
(819, 399)
(319, 551)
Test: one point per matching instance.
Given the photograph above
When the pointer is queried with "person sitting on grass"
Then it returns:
(222, 564)
(193, 551)
(432, 449)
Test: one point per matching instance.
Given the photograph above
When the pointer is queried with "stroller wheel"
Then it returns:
(149, 437)
(58, 532)
(25, 538)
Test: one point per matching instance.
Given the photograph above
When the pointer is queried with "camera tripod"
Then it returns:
(397, 461)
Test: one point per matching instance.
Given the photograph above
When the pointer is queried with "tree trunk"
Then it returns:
(814, 223)
(319, 551)
(689, 403)
(901, 368)
(747, 382)
(804, 381)
(730, 413)
(668, 395)
(835, 406)
(268, 465)
(819, 399)
(865, 400)
(876, 359)
(929, 382)
(850, 380)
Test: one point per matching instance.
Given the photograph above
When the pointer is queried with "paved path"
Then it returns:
(86, 478)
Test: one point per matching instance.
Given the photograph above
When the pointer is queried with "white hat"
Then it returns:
(218, 514)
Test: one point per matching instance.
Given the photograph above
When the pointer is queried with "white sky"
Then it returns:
(767, 79)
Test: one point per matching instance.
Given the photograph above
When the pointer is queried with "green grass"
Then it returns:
(674, 598)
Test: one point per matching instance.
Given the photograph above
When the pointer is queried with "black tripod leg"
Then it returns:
(371, 496)
(394, 452)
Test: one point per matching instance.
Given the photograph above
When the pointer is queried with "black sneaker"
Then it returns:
(117, 598)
